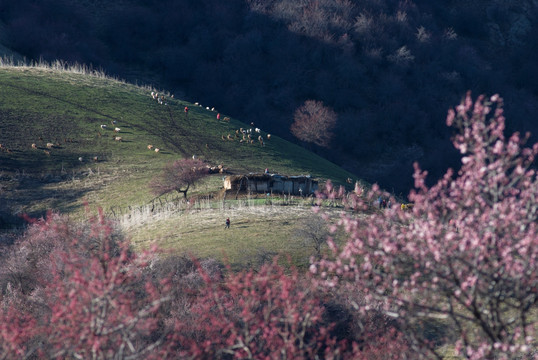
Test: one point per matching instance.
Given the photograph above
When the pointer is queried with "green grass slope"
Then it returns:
(40, 105)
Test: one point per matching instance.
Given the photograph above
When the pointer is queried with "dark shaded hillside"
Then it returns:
(390, 69)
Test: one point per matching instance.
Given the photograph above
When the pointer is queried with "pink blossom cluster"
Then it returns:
(465, 255)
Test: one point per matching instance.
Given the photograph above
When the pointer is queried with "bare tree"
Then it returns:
(314, 232)
(179, 176)
(314, 123)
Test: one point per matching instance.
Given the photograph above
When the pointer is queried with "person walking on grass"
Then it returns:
(227, 223)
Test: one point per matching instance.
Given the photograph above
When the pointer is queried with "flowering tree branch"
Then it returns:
(466, 252)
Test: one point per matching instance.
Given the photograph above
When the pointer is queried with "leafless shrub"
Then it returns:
(313, 231)
(402, 56)
(450, 34)
(423, 35)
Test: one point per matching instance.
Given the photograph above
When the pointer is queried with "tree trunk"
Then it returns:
(184, 191)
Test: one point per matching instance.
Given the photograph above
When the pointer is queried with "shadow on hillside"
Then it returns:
(34, 196)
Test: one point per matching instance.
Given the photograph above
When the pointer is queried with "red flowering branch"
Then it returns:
(266, 314)
(90, 299)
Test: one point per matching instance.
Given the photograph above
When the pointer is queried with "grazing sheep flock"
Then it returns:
(242, 135)
(247, 136)
(161, 99)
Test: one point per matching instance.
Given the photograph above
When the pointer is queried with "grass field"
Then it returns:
(257, 232)
(40, 106)
(66, 108)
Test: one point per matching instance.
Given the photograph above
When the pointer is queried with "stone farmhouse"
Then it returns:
(272, 183)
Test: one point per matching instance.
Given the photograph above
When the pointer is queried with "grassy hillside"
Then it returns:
(67, 108)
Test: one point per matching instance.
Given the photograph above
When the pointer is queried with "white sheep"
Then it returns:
(118, 138)
(50, 145)
(268, 136)
(157, 150)
(258, 130)
(150, 147)
(117, 130)
(103, 126)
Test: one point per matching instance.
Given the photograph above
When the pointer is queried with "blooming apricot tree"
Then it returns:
(464, 257)
(179, 176)
(258, 315)
(314, 122)
(90, 298)
(275, 313)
